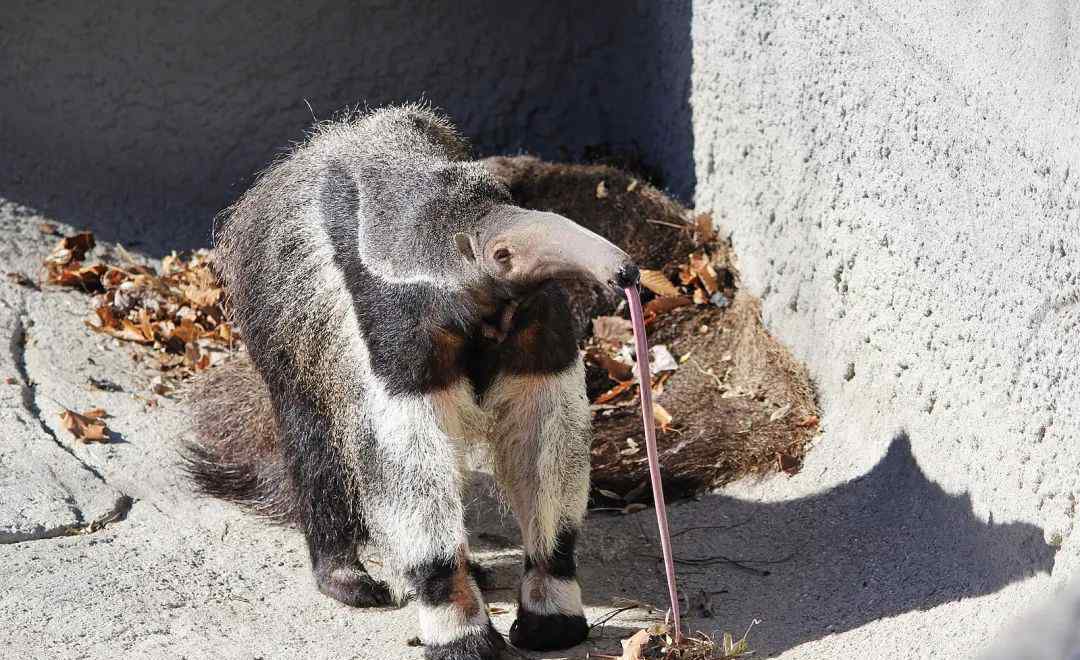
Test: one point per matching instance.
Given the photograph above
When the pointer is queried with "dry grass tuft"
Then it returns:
(658, 643)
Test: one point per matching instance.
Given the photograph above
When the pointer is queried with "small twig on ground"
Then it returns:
(641, 530)
(702, 527)
(666, 224)
(608, 616)
(717, 559)
(621, 605)
(720, 559)
(710, 374)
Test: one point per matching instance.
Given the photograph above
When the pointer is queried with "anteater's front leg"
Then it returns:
(541, 445)
(418, 515)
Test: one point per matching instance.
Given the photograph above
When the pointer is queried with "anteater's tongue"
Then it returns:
(641, 343)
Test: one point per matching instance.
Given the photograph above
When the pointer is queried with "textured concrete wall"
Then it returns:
(158, 113)
(902, 181)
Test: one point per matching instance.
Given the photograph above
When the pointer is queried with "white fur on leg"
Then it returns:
(417, 510)
(442, 624)
(540, 441)
(543, 594)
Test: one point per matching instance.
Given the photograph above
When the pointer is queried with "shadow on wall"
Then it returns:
(142, 120)
(886, 543)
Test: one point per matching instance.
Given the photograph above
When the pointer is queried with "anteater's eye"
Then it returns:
(502, 255)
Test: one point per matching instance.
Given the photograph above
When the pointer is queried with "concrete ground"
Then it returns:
(108, 553)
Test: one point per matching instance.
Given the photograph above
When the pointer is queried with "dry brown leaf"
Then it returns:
(663, 305)
(613, 393)
(658, 283)
(187, 331)
(144, 324)
(224, 331)
(171, 311)
(84, 428)
(700, 297)
(195, 358)
(72, 248)
(106, 316)
(703, 226)
(702, 268)
(662, 417)
(49, 229)
(202, 296)
(617, 371)
(119, 328)
(96, 413)
(131, 332)
(686, 276)
(86, 277)
(113, 278)
(632, 186)
(169, 264)
(613, 330)
(635, 645)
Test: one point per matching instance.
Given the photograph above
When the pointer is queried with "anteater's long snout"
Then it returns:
(532, 246)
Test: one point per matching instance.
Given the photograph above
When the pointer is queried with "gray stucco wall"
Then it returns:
(902, 183)
(142, 120)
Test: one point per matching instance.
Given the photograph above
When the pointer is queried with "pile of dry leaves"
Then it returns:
(175, 313)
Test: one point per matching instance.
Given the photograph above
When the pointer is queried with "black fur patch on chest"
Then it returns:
(540, 341)
(413, 332)
(420, 339)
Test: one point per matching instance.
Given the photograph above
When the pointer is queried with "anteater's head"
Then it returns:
(523, 248)
(409, 204)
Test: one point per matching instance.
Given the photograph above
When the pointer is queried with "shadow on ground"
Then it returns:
(886, 543)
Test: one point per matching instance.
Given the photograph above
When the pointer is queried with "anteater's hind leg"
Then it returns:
(541, 446)
(326, 507)
(418, 517)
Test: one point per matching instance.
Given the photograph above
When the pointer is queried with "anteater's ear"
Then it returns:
(464, 246)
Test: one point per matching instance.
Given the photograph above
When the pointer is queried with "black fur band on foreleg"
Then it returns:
(454, 622)
(550, 613)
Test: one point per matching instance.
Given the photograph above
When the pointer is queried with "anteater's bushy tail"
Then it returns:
(236, 455)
